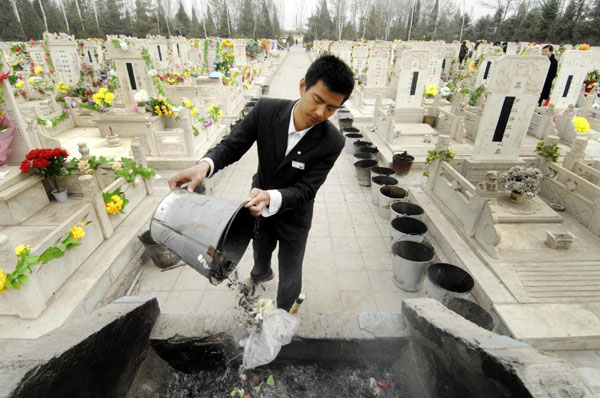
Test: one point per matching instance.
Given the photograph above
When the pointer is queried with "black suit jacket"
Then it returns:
(267, 124)
(550, 77)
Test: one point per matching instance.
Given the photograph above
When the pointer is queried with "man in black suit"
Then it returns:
(297, 147)
(548, 51)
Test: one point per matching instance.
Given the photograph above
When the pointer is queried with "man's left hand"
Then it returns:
(257, 201)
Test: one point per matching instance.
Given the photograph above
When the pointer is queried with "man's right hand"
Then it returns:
(193, 176)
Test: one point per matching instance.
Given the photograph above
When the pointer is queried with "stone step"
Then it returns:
(14, 176)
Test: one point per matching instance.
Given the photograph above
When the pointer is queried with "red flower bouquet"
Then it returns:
(48, 163)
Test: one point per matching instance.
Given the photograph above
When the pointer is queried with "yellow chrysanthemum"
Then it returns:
(38, 69)
(2, 281)
(97, 99)
(62, 87)
(22, 248)
(220, 114)
(581, 124)
(163, 107)
(19, 84)
(431, 91)
(112, 208)
(211, 107)
(158, 112)
(170, 113)
(194, 111)
(473, 65)
(102, 91)
(187, 103)
(117, 199)
(109, 97)
(77, 232)
(31, 81)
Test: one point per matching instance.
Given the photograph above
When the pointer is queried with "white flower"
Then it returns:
(263, 307)
(141, 96)
(445, 91)
(124, 46)
(49, 123)
(116, 166)
(152, 72)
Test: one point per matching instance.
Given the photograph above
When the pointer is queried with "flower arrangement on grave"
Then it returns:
(445, 154)
(18, 277)
(431, 91)
(122, 44)
(584, 47)
(581, 124)
(475, 94)
(520, 181)
(252, 49)
(224, 58)
(47, 163)
(115, 201)
(592, 80)
(547, 151)
(213, 115)
(141, 98)
(161, 107)
(188, 104)
(103, 98)
(170, 79)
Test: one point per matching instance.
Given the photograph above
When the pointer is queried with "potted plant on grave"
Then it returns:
(521, 181)
(141, 98)
(50, 164)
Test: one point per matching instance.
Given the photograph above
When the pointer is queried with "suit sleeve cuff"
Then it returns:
(210, 162)
(274, 203)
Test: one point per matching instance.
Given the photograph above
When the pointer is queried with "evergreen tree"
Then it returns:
(211, 29)
(9, 25)
(325, 23)
(92, 27)
(54, 17)
(276, 25)
(143, 25)
(373, 29)
(181, 25)
(33, 26)
(75, 23)
(195, 27)
(223, 24)
(349, 32)
(433, 19)
(162, 20)
(264, 28)
(246, 21)
(549, 14)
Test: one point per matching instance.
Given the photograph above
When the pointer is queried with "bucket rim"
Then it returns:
(416, 223)
(384, 179)
(429, 250)
(362, 164)
(393, 188)
(468, 278)
(408, 205)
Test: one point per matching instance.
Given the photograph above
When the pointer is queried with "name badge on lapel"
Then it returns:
(297, 165)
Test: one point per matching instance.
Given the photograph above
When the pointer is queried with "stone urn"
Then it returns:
(113, 140)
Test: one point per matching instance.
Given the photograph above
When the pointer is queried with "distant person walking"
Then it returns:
(548, 51)
(463, 52)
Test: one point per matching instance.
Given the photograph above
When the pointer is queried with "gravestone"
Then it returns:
(131, 70)
(239, 52)
(38, 55)
(484, 72)
(196, 52)
(179, 51)
(449, 55)
(414, 69)
(512, 48)
(573, 69)
(92, 53)
(157, 48)
(63, 52)
(211, 53)
(513, 92)
(436, 62)
(360, 55)
(378, 62)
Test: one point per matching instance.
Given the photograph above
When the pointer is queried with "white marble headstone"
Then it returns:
(239, 52)
(379, 61)
(360, 55)
(513, 92)
(414, 69)
(66, 63)
(436, 61)
(573, 69)
(484, 72)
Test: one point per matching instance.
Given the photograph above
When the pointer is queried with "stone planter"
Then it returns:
(559, 241)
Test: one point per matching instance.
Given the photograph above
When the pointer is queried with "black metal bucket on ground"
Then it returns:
(470, 311)
(381, 171)
(358, 145)
(410, 260)
(363, 171)
(404, 209)
(376, 183)
(209, 234)
(447, 280)
(362, 156)
(371, 150)
(407, 228)
(161, 257)
(388, 195)
(352, 135)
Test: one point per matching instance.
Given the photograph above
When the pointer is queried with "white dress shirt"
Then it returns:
(275, 196)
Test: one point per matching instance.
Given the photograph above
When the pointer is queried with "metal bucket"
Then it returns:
(345, 122)
(407, 228)
(376, 183)
(363, 171)
(388, 195)
(210, 234)
(358, 145)
(265, 89)
(362, 156)
(161, 257)
(352, 135)
(381, 171)
(403, 209)
(470, 311)
(447, 280)
(371, 150)
(410, 261)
